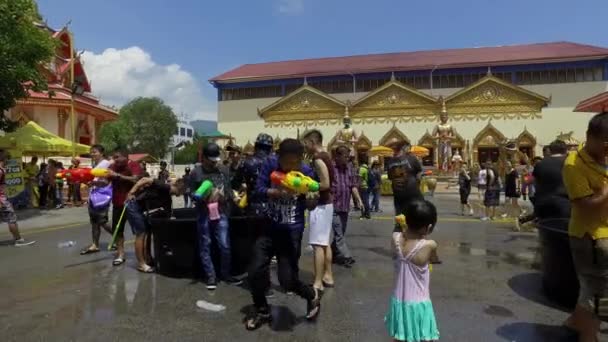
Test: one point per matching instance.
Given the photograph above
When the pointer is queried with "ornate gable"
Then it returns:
(488, 137)
(248, 148)
(393, 134)
(303, 106)
(526, 139)
(363, 143)
(427, 140)
(492, 97)
(395, 99)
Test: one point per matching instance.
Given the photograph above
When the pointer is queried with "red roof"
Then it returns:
(418, 60)
(594, 104)
(62, 94)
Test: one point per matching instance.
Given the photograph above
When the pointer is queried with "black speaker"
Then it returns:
(176, 244)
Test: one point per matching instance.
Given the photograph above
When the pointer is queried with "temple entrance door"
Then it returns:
(527, 150)
(487, 153)
(85, 140)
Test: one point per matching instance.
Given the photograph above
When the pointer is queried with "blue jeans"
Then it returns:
(218, 231)
(375, 199)
(365, 199)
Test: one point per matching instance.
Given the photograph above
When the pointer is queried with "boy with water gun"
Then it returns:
(283, 237)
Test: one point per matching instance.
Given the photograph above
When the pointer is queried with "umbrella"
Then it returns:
(419, 151)
(382, 151)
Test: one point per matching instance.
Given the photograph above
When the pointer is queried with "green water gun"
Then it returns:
(204, 190)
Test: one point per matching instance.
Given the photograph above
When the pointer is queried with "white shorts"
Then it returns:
(320, 220)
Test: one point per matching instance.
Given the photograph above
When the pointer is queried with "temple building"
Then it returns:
(473, 101)
(52, 109)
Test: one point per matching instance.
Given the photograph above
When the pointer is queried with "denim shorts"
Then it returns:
(136, 218)
(591, 264)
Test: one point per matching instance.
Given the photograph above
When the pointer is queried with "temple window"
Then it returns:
(182, 132)
(189, 133)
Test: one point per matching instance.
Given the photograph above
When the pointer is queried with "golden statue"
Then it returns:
(444, 133)
(347, 136)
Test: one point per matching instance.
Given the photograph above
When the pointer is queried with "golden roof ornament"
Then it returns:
(567, 138)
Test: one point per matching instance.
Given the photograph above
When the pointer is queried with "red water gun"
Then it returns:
(82, 175)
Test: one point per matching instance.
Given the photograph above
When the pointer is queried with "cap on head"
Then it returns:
(264, 140)
(212, 152)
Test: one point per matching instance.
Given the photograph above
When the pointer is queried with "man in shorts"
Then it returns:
(7, 213)
(585, 174)
(321, 217)
(124, 173)
(148, 198)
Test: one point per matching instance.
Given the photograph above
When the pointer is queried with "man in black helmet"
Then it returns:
(247, 174)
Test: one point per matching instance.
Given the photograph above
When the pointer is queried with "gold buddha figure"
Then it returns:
(347, 134)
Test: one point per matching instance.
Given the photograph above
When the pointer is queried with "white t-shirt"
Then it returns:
(103, 164)
(482, 178)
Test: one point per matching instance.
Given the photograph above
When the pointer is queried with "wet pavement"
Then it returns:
(487, 289)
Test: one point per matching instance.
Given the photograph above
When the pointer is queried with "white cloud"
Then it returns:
(118, 76)
(291, 6)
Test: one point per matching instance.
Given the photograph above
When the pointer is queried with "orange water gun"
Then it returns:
(295, 181)
(82, 175)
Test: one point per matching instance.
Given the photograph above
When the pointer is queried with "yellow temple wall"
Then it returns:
(240, 118)
(46, 117)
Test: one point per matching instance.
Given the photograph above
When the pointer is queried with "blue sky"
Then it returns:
(170, 48)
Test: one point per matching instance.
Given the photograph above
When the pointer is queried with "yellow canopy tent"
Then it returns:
(381, 151)
(31, 139)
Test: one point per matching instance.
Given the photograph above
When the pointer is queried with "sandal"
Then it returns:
(328, 285)
(313, 306)
(89, 250)
(145, 269)
(256, 320)
(118, 261)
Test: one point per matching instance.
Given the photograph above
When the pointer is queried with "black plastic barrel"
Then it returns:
(176, 244)
(559, 277)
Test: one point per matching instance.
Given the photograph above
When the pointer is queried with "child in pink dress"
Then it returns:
(411, 316)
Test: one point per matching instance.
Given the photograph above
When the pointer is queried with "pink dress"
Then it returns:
(411, 316)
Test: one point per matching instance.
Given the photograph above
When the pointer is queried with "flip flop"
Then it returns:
(118, 261)
(329, 285)
(145, 269)
(89, 250)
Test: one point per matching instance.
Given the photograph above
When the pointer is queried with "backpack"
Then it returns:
(372, 179)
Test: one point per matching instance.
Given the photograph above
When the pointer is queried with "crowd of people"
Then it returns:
(569, 186)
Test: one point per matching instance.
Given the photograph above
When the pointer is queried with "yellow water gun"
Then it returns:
(295, 181)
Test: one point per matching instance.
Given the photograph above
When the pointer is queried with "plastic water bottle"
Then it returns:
(66, 244)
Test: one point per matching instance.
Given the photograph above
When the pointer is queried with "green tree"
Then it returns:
(144, 125)
(24, 50)
(115, 135)
(189, 153)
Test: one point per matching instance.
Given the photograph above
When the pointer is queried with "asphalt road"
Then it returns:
(487, 289)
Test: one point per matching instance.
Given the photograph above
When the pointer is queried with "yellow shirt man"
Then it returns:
(583, 177)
